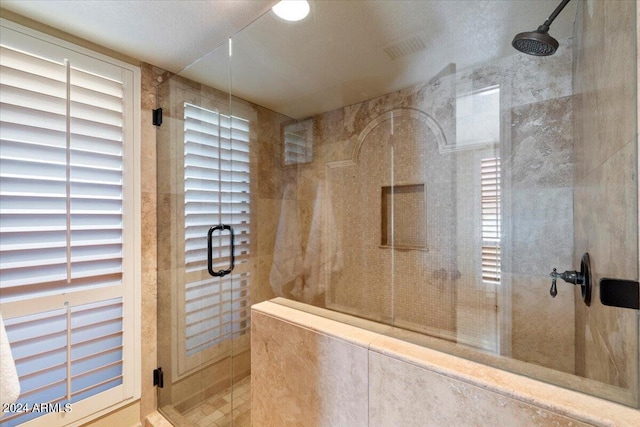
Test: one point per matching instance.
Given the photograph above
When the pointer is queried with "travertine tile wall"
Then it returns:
(438, 290)
(311, 370)
(409, 395)
(539, 222)
(606, 211)
(151, 76)
(307, 379)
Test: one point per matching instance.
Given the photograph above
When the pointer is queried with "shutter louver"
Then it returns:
(214, 312)
(39, 347)
(216, 167)
(490, 200)
(32, 174)
(39, 344)
(33, 167)
(96, 179)
(96, 348)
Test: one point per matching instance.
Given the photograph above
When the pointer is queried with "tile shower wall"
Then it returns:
(404, 394)
(151, 76)
(438, 290)
(540, 221)
(606, 221)
(395, 383)
(307, 379)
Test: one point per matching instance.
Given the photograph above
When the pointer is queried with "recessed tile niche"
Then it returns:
(404, 211)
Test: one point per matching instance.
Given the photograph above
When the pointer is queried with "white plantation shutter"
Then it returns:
(216, 168)
(65, 186)
(490, 200)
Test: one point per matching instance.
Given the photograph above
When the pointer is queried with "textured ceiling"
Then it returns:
(346, 51)
(168, 33)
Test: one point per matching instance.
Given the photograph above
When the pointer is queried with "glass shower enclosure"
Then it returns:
(410, 175)
(204, 246)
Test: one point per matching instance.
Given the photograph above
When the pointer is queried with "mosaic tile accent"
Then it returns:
(219, 410)
(403, 216)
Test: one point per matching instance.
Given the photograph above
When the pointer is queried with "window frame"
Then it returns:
(38, 43)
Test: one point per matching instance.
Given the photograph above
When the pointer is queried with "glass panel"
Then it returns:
(195, 318)
(449, 174)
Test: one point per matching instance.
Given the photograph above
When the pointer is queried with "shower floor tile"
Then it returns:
(217, 411)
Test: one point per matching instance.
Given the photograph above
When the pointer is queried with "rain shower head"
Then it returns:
(539, 42)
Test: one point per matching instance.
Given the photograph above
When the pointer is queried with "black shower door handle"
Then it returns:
(220, 273)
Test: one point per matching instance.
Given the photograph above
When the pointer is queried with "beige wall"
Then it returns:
(151, 77)
(127, 416)
(606, 219)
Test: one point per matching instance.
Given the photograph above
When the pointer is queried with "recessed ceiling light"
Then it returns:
(292, 10)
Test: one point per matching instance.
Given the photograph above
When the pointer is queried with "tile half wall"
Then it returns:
(308, 370)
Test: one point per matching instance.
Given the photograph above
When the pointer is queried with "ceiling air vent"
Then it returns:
(405, 46)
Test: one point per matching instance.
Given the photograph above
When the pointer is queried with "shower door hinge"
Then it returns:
(157, 117)
(158, 378)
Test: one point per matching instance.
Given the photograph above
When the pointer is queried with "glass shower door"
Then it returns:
(203, 231)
